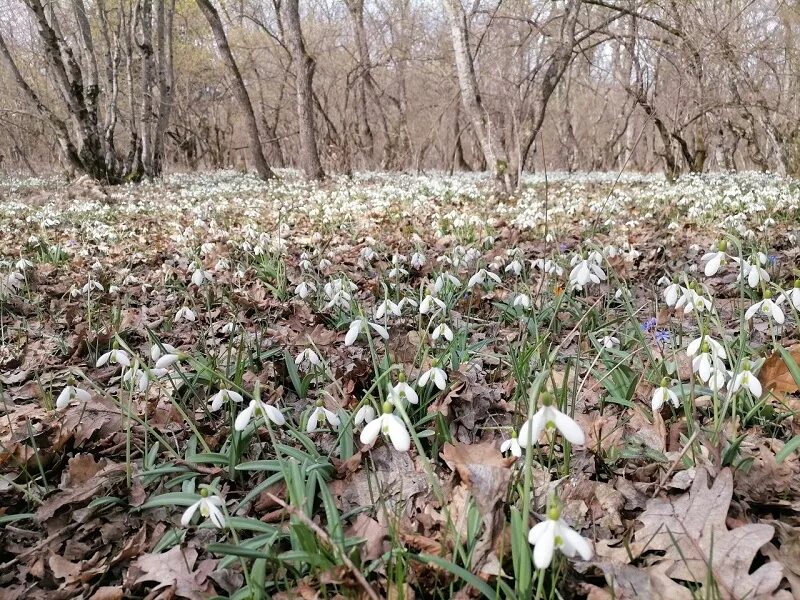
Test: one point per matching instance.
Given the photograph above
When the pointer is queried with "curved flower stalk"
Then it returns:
(553, 533)
(549, 417)
(209, 507)
(389, 425)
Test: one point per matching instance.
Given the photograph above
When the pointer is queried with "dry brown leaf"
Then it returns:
(692, 532)
(175, 569)
(373, 533)
(774, 374)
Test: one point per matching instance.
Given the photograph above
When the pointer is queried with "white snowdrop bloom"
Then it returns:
(304, 289)
(427, 301)
(511, 445)
(480, 278)
(609, 341)
(753, 273)
(199, 277)
(23, 264)
(715, 260)
(418, 260)
(585, 272)
(115, 356)
(443, 279)
(307, 357)
(258, 407)
(746, 379)
(92, 285)
(389, 425)
(209, 507)
(206, 248)
(768, 308)
(156, 351)
(663, 394)
(402, 391)
(793, 296)
(708, 366)
(442, 330)
(70, 393)
(435, 374)
(548, 266)
(222, 396)
(358, 326)
(305, 263)
(319, 414)
(549, 417)
(228, 328)
(672, 293)
(324, 264)
(522, 300)
(515, 267)
(223, 264)
(113, 289)
(168, 360)
(713, 346)
(341, 299)
(368, 254)
(595, 257)
(185, 313)
(387, 306)
(407, 300)
(365, 414)
(553, 533)
(691, 301)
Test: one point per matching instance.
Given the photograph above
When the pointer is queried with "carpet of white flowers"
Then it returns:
(396, 386)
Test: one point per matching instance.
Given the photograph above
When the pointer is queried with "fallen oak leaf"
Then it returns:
(173, 569)
(776, 374)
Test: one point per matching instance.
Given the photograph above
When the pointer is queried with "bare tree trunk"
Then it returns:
(493, 153)
(304, 67)
(242, 97)
(164, 18)
(366, 140)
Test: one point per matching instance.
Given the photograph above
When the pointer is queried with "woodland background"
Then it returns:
(127, 89)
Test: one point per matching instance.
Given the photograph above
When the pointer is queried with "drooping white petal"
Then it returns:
(543, 550)
(243, 418)
(186, 518)
(569, 428)
(371, 430)
(398, 434)
(574, 542)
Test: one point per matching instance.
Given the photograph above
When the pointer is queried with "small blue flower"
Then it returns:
(649, 325)
(772, 260)
(662, 336)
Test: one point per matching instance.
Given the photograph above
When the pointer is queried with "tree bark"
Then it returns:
(304, 74)
(242, 97)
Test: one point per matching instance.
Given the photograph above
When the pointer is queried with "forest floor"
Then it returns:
(218, 387)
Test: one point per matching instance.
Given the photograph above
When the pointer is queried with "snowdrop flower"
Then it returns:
(167, 360)
(209, 509)
(365, 414)
(185, 313)
(304, 289)
(753, 273)
(515, 267)
(69, 393)
(324, 263)
(418, 260)
(672, 293)
(480, 278)
(512, 445)
(402, 391)
(522, 300)
(257, 406)
(663, 394)
(548, 266)
(305, 263)
(585, 272)
(199, 277)
(307, 357)
(91, 285)
(389, 425)
(425, 305)
(114, 356)
(387, 305)
(709, 367)
(218, 399)
(228, 328)
(442, 330)
(714, 346)
(321, 413)
(746, 379)
(766, 307)
(23, 264)
(692, 301)
(358, 326)
(714, 260)
(443, 279)
(368, 254)
(793, 296)
(156, 351)
(554, 533)
(407, 300)
(549, 417)
(435, 374)
(609, 341)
